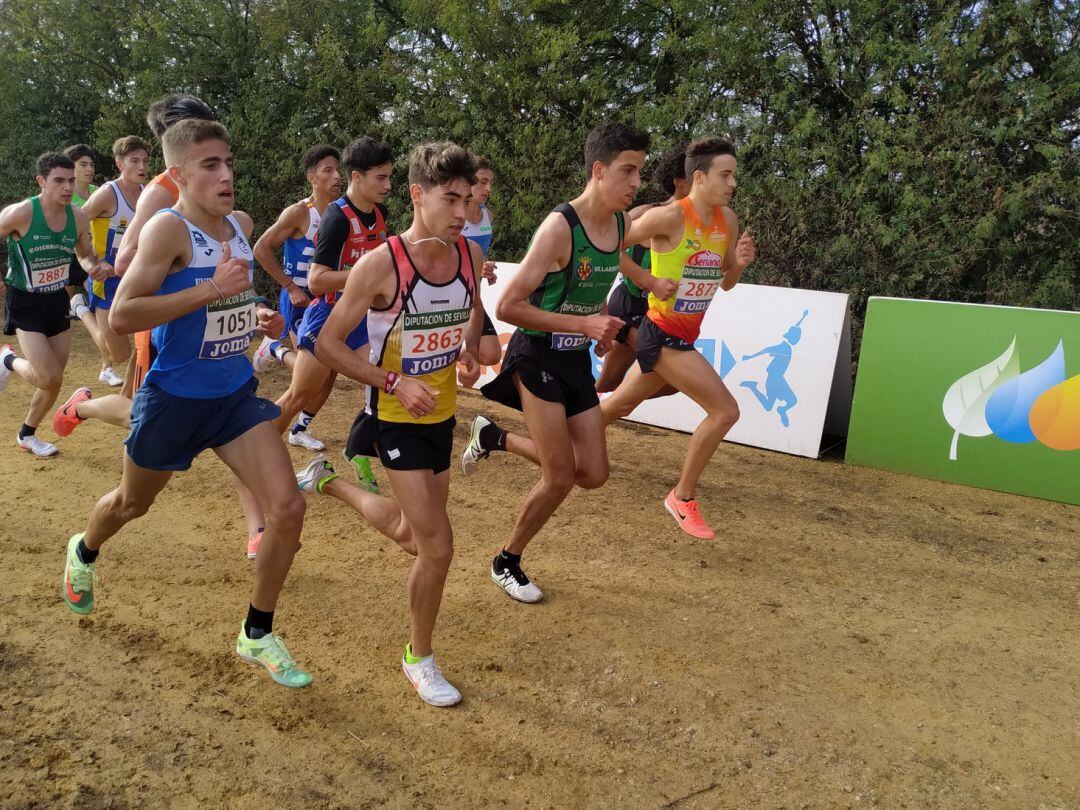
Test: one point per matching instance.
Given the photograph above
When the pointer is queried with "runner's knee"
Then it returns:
(725, 414)
(559, 481)
(130, 506)
(288, 511)
(438, 554)
(592, 478)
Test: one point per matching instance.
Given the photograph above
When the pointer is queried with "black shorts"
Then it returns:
(409, 446)
(630, 308)
(77, 277)
(565, 377)
(651, 339)
(46, 313)
(489, 327)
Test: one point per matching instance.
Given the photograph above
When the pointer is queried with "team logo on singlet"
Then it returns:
(693, 244)
(705, 258)
(584, 268)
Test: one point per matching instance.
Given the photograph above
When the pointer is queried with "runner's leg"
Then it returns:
(42, 365)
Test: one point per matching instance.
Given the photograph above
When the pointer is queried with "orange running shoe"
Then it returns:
(66, 418)
(253, 545)
(688, 516)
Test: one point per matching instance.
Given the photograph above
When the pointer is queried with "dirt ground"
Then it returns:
(852, 639)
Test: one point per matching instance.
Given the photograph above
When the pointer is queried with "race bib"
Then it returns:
(49, 279)
(230, 325)
(431, 340)
(565, 341)
(698, 287)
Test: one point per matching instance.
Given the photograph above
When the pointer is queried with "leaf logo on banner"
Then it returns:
(964, 405)
(1009, 409)
(1055, 417)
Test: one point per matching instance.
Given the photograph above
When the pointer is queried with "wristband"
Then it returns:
(216, 287)
(392, 380)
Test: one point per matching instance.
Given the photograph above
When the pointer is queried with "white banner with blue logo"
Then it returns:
(784, 354)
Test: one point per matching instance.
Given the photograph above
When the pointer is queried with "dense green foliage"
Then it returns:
(917, 149)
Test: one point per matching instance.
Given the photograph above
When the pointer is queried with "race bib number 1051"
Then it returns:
(230, 324)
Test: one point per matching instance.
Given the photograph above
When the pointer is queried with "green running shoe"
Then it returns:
(79, 579)
(269, 651)
(364, 475)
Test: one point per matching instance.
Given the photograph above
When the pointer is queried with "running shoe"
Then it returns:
(110, 377)
(78, 306)
(688, 516)
(302, 438)
(253, 545)
(5, 372)
(429, 682)
(264, 355)
(317, 474)
(79, 579)
(39, 447)
(473, 451)
(516, 584)
(269, 652)
(365, 476)
(66, 418)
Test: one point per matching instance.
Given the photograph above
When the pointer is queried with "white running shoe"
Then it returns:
(306, 440)
(473, 451)
(5, 372)
(429, 682)
(264, 355)
(318, 471)
(78, 306)
(38, 447)
(110, 377)
(516, 585)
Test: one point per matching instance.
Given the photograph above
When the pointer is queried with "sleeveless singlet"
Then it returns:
(421, 332)
(361, 239)
(38, 261)
(203, 355)
(479, 232)
(697, 264)
(582, 286)
(108, 232)
(81, 201)
(297, 251)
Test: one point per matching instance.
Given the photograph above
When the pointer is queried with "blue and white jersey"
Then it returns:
(479, 232)
(298, 251)
(203, 355)
(118, 223)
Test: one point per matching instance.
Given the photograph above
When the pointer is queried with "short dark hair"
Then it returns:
(185, 134)
(366, 153)
(167, 111)
(80, 150)
(484, 163)
(53, 160)
(122, 147)
(700, 154)
(439, 163)
(606, 141)
(672, 167)
(317, 154)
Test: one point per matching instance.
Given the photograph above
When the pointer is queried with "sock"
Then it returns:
(80, 310)
(492, 437)
(9, 361)
(259, 623)
(409, 657)
(26, 430)
(302, 422)
(86, 555)
(279, 350)
(506, 559)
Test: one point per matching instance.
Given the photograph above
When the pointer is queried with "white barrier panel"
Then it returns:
(784, 354)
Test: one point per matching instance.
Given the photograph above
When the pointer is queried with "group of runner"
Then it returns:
(172, 262)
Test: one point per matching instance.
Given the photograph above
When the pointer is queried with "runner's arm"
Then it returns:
(102, 203)
(288, 225)
(323, 274)
(154, 198)
(84, 248)
(661, 223)
(15, 219)
(741, 252)
(270, 320)
(475, 326)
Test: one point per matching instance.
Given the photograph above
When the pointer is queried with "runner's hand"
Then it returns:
(101, 271)
(468, 369)
(603, 347)
(663, 288)
(270, 322)
(417, 397)
(488, 273)
(745, 251)
(232, 276)
(298, 297)
(601, 327)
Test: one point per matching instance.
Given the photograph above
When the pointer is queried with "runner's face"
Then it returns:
(482, 190)
(133, 166)
(325, 178)
(84, 170)
(620, 179)
(58, 187)
(206, 177)
(375, 182)
(442, 208)
(719, 182)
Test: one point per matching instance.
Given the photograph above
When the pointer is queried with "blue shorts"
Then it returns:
(314, 318)
(168, 432)
(98, 302)
(291, 313)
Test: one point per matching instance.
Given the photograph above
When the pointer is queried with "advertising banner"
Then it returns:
(981, 395)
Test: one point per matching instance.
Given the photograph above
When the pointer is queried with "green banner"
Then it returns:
(979, 395)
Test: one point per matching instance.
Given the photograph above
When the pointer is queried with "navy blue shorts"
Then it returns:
(314, 318)
(168, 432)
(292, 314)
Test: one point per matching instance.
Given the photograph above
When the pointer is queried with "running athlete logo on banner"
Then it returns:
(431, 340)
(230, 324)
